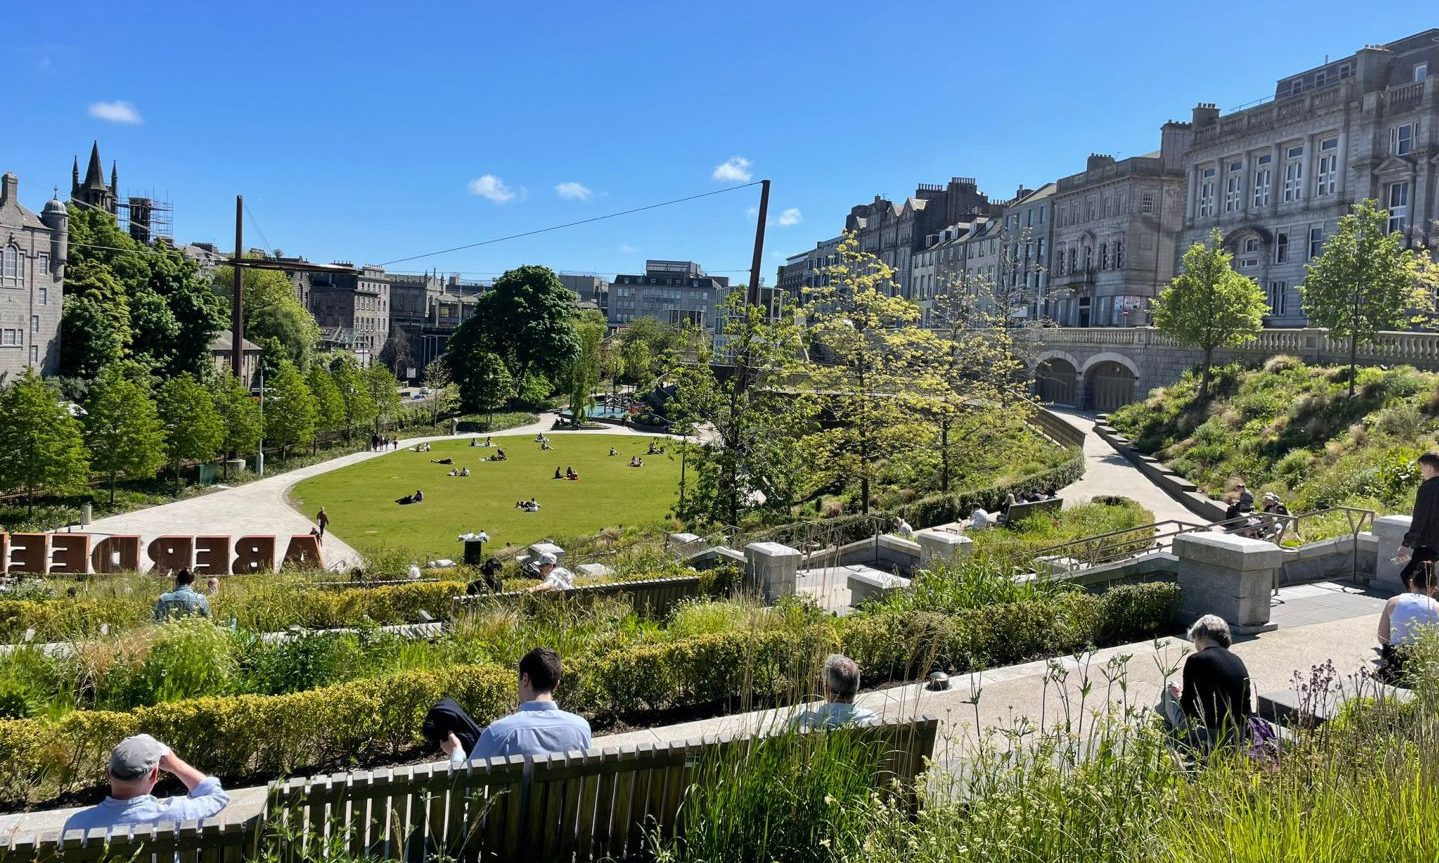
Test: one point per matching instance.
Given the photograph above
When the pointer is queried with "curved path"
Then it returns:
(261, 507)
(1106, 471)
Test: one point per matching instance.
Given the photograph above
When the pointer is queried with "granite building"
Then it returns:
(1275, 178)
(352, 309)
(1115, 228)
(33, 250)
(674, 292)
(894, 232)
(428, 309)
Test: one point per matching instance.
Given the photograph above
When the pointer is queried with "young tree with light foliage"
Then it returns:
(41, 445)
(442, 388)
(240, 414)
(329, 404)
(289, 409)
(583, 374)
(1364, 281)
(360, 408)
(384, 392)
(193, 427)
(1209, 305)
(867, 346)
(122, 426)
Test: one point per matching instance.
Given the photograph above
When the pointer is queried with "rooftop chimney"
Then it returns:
(9, 186)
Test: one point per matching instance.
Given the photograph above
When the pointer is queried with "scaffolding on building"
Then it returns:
(146, 219)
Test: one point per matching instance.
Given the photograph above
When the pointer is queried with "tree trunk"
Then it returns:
(944, 457)
(1204, 378)
(112, 490)
(1353, 362)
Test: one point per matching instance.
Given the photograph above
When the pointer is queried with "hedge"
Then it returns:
(378, 719)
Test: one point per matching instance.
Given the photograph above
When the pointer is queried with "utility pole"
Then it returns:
(237, 318)
(753, 297)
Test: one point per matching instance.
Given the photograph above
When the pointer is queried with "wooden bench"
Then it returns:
(1021, 510)
(575, 806)
(654, 597)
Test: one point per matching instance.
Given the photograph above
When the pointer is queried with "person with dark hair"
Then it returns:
(558, 475)
(539, 726)
(1403, 615)
(1421, 544)
(1214, 705)
(448, 726)
(489, 580)
(183, 601)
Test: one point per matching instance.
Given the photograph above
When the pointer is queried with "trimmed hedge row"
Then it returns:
(364, 721)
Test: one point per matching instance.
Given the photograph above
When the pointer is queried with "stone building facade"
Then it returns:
(359, 303)
(1275, 178)
(1115, 228)
(894, 232)
(33, 251)
(673, 292)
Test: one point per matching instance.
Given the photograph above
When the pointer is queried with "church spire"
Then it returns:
(114, 181)
(94, 174)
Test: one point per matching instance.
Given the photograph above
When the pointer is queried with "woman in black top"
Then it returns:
(1213, 706)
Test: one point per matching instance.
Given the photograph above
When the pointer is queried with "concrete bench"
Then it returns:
(1022, 510)
(866, 583)
(1288, 707)
(579, 806)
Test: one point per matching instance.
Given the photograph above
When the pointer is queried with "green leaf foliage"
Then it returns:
(289, 409)
(42, 447)
(123, 428)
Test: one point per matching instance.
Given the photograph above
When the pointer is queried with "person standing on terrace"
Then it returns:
(1421, 544)
(135, 765)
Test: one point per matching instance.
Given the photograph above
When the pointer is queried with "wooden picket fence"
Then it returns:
(652, 597)
(574, 807)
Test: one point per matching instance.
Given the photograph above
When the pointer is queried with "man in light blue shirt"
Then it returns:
(841, 685)
(539, 726)
(183, 600)
(135, 765)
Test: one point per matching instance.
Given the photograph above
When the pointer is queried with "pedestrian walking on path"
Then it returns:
(322, 518)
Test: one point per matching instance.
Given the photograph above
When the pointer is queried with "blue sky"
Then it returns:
(371, 131)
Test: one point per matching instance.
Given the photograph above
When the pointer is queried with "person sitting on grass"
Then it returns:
(464, 471)
(614, 451)
(474, 441)
(545, 445)
(1403, 616)
(418, 496)
(1214, 705)
(183, 600)
(552, 575)
(557, 474)
(570, 473)
(532, 505)
(135, 765)
(489, 442)
(453, 472)
(841, 685)
(539, 727)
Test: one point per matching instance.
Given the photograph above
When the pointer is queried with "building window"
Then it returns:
(1119, 254)
(10, 265)
(1401, 139)
(1041, 214)
(1346, 70)
(34, 323)
(1146, 203)
(1039, 248)
(1088, 258)
(1294, 174)
(1278, 294)
(1233, 183)
(1421, 71)
(1073, 257)
(1263, 176)
(1326, 171)
(42, 263)
(44, 296)
(1316, 241)
(1250, 257)
(1281, 248)
(1398, 199)
(1104, 256)
(1206, 191)
(34, 355)
(9, 338)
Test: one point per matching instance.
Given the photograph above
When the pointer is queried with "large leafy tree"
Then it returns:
(240, 413)
(289, 409)
(41, 445)
(122, 426)
(526, 318)
(870, 345)
(1364, 281)
(199, 314)
(273, 311)
(583, 374)
(329, 404)
(1209, 305)
(360, 408)
(94, 321)
(194, 429)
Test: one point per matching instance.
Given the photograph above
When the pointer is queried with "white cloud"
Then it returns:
(492, 188)
(572, 191)
(628, 249)
(115, 112)
(752, 212)
(733, 170)
(792, 216)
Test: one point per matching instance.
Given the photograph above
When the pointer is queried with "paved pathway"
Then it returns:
(1106, 471)
(261, 507)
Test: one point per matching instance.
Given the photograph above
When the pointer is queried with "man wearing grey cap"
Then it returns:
(554, 576)
(135, 765)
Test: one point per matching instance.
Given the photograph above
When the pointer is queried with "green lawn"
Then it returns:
(361, 504)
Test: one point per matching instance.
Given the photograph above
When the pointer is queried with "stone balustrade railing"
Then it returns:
(1313, 345)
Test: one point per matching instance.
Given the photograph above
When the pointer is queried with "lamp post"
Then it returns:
(260, 455)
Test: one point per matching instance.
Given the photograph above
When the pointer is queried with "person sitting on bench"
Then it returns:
(1213, 707)
(135, 765)
(539, 727)
(448, 723)
(841, 684)
(552, 575)
(1404, 615)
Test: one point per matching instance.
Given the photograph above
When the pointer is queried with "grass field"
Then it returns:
(361, 504)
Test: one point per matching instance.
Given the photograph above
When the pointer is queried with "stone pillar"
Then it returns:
(942, 546)
(1390, 530)
(772, 568)
(1231, 576)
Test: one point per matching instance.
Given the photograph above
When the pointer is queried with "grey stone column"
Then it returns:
(1390, 530)
(1231, 576)
(942, 546)
(772, 568)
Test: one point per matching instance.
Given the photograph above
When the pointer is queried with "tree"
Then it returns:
(870, 345)
(583, 374)
(1209, 305)
(525, 318)
(273, 311)
(122, 427)
(41, 445)
(1364, 281)
(638, 362)
(240, 414)
(289, 410)
(199, 313)
(194, 429)
(489, 385)
(442, 388)
(396, 353)
(350, 379)
(384, 392)
(329, 403)
(94, 321)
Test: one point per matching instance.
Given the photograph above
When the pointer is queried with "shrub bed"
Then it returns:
(366, 721)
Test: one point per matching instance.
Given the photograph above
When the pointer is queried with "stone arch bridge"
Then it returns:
(1102, 368)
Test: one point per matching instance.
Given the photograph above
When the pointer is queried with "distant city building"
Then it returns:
(223, 357)
(592, 291)
(353, 310)
(33, 252)
(1275, 178)
(206, 255)
(146, 219)
(428, 309)
(894, 232)
(1115, 228)
(790, 278)
(675, 292)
